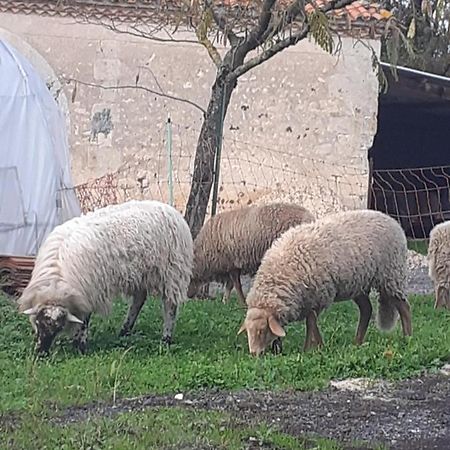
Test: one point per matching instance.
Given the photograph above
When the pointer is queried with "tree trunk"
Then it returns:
(206, 151)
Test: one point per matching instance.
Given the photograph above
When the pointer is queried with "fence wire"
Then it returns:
(417, 198)
(249, 173)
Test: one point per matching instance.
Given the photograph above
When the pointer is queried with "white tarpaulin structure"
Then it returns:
(36, 191)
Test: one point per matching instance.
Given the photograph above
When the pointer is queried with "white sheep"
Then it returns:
(341, 256)
(439, 263)
(133, 249)
(232, 243)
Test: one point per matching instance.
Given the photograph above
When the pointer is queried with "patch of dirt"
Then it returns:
(412, 414)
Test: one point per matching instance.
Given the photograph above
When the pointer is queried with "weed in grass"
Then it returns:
(206, 354)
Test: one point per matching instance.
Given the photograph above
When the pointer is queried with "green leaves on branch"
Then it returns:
(320, 30)
(376, 67)
(411, 29)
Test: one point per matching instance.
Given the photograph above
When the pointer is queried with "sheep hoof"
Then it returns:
(167, 340)
(39, 353)
(124, 332)
(80, 346)
(277, 346)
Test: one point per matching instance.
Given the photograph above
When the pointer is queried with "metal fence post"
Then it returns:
(169, 160)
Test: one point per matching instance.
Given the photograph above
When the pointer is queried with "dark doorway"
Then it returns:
(410, 156)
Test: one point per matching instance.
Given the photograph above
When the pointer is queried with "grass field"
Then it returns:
(206, 354)
(419, 246)
(162, 429)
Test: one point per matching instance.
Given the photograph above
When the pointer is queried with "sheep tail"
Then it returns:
(387, 314)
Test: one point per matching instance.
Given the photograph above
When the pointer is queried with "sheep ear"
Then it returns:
(275, 327)
(243, 328)
(72, 318)
(31, 311)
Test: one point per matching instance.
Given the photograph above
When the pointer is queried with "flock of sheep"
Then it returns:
(300, 267)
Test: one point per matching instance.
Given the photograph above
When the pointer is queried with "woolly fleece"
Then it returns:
(335, 258)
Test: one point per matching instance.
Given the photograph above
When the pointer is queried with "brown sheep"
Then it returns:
(234, 242)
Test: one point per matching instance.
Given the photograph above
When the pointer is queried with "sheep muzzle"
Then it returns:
(262, 330)
(49, 322)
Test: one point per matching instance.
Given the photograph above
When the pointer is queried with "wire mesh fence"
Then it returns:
(249, 174)
(418, 198)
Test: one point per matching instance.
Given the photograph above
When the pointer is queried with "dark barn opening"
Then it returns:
(410, 156)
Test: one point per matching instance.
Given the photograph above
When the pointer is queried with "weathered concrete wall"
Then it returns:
(299, 125)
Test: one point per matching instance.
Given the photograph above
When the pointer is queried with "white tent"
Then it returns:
(36, 191)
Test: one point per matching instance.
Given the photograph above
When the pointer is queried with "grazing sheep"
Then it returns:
(439, 263)
(132, 249)
(341, 256)
(233, 243)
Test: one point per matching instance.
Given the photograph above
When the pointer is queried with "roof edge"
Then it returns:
(368, 28)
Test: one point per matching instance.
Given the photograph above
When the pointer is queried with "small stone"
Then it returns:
(445, 370)
(229, 399)
(179, 397)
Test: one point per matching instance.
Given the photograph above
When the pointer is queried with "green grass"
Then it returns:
(206, 354)
(419, 246)
(153, 429)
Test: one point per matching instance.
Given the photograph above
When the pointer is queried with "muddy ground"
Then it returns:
(412, 414)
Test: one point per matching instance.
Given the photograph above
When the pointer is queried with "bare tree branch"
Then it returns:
(335, 4)
(253, 39)
(294, 12)
(268, 53)
(143, 88)
(136, 31)
(202, 36)
(154, 77)
(221, 22)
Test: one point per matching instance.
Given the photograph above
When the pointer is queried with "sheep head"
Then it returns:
(262, 329)
(47, 322)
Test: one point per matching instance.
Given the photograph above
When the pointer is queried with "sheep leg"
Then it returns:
(365, 314)
(313, 337)
(170, 309)
(277, 346)
(442, 297)
(236, 279)
(228, 289)
(133, 312)
(79, 340)
(404, 310)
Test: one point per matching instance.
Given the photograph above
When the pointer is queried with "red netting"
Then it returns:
(98, 193)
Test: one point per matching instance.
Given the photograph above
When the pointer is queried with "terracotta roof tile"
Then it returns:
(355, 10)
(360, 17)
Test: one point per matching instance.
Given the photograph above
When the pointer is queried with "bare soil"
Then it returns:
(412, 414)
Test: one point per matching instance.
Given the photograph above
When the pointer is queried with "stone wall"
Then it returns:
(298, 126)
